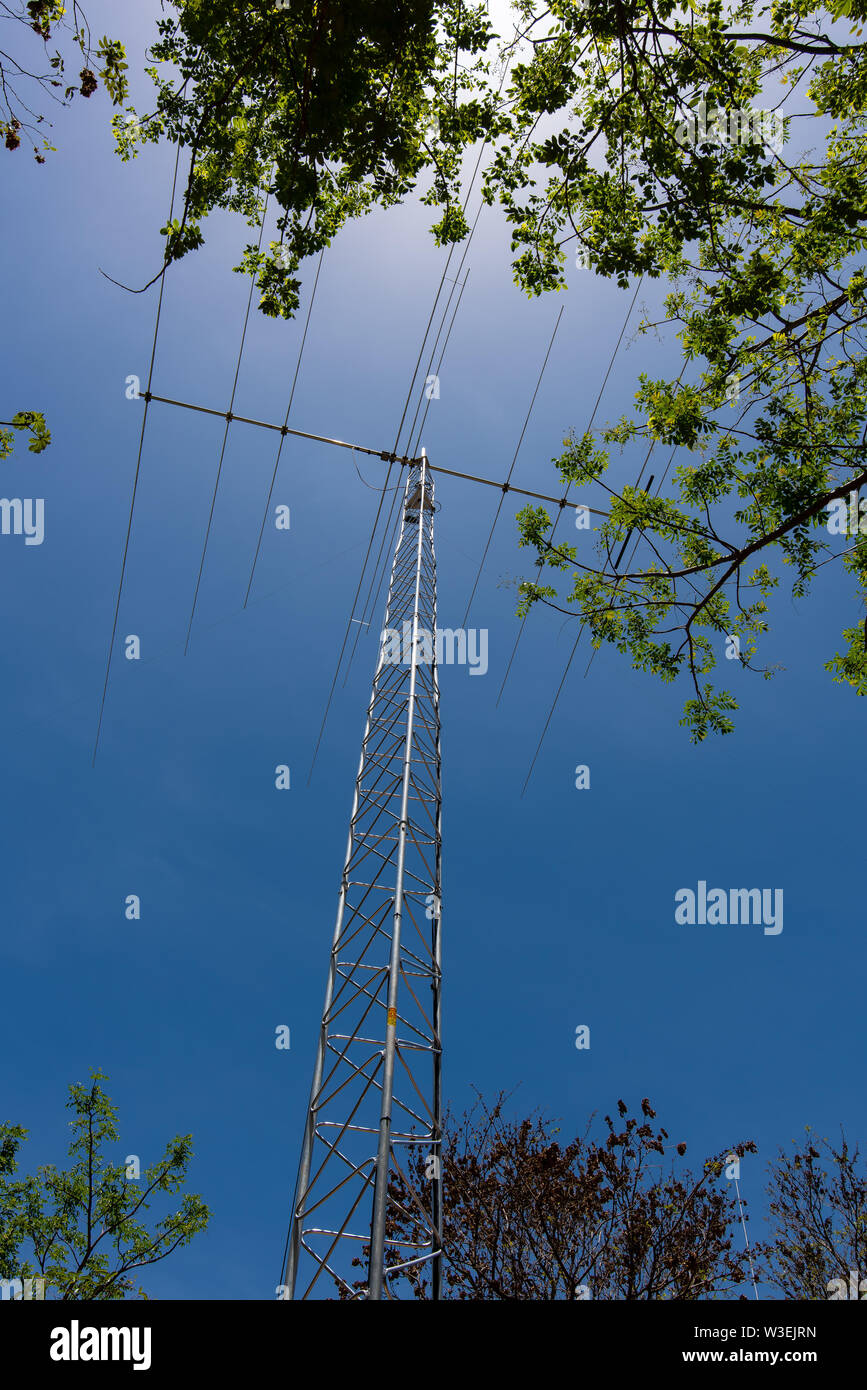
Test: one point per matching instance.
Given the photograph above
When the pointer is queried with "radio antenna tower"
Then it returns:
(375, 1115)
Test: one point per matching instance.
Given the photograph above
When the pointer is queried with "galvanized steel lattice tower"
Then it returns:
(375, 1102)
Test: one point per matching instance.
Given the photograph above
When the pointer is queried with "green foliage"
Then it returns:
(762, 248)
(329, 109)
(32, 420)
(82, 1229)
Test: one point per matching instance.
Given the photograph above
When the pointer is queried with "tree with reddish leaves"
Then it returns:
(818, 1215)
(530, 1217)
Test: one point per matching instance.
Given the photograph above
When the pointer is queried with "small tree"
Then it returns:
(529, 1218)
(83, 1229)
(818, 1211)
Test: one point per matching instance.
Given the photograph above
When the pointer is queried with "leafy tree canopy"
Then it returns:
(328, 109)
(716, 148)
(652, 138)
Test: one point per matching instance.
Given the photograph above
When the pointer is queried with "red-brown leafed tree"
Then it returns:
(531, 1218)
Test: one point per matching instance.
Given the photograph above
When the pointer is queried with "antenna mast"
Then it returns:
(376, 1100)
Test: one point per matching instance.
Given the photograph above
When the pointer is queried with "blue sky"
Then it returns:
(558, 905)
